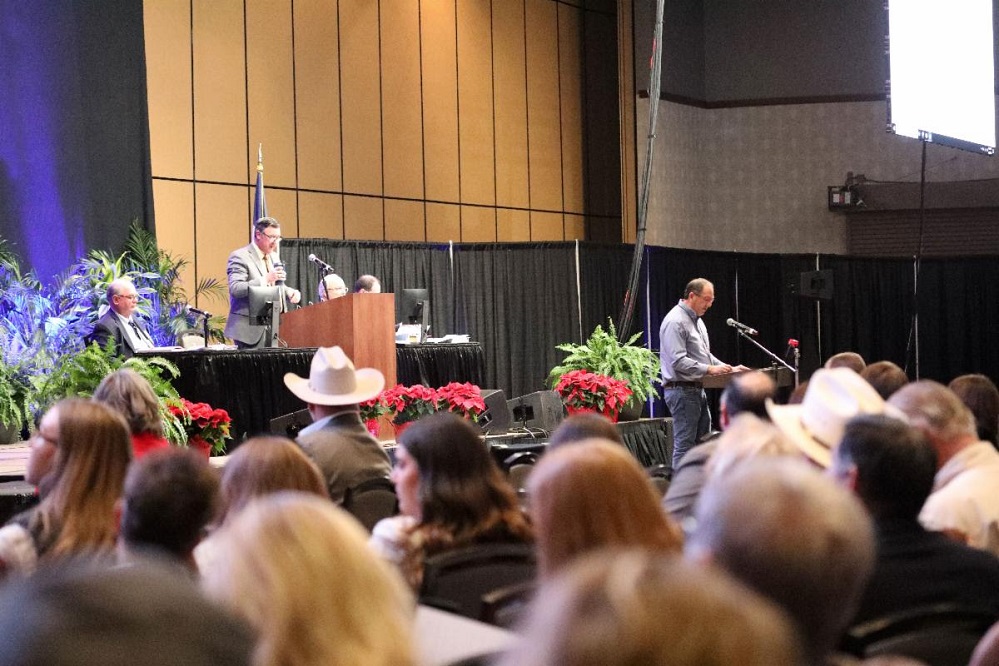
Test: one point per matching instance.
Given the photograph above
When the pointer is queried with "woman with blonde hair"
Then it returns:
(76, 515)
(129, 394)
(297, 568)
(451, 495)
(260, 466)
(591, 495)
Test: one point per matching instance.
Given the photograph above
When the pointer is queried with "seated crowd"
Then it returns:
(865, 497)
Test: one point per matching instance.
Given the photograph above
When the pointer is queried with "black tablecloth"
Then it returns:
(249, 383)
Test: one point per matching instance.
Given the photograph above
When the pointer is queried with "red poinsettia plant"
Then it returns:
(409, 403)
(465, 400)
(202, 423)
(374, 408)
(582, 390)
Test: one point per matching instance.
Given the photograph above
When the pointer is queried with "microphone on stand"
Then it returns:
(198, 312)
(742, 327)
(322, 264)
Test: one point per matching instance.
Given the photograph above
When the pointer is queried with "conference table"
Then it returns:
(249, 383)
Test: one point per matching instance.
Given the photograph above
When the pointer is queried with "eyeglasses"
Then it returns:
(273, 238)
(131, 297)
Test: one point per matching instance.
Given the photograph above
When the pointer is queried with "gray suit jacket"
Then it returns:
(346, 453)
(244, 269)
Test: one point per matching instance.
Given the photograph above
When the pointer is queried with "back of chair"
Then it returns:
(458, 580)
(504, 607)
(940, 635)
(371, 501)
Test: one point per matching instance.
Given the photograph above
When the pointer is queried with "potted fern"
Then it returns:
(604, 354)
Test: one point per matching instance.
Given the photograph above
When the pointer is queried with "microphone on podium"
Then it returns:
(748, 330)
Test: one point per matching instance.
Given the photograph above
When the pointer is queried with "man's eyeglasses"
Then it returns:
(270, 237)
(131, 297)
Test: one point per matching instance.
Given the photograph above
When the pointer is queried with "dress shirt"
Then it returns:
(684, 349)
(139, 339)
(965, 499)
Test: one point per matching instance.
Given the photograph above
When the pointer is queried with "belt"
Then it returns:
(683, 385)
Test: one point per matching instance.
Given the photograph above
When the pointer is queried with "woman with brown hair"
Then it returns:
(129, 394)
(451, 494)
(591, 495)
(260, 466)
(76, 515)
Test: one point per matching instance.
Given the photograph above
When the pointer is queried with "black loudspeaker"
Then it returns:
(289, 425)
(540, 410)
(497, 417)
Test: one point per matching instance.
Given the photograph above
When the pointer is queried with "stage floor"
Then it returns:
(14, 461)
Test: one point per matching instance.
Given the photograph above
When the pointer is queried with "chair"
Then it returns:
(191, 339)
(940, 634)
(518, 467)
(371, 501)
(457, 580)
(503, 607)
(661, 475)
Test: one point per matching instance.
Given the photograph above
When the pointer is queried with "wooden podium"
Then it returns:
(363, 325)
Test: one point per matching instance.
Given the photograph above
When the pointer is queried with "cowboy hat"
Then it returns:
(834, 396)
(334, 381)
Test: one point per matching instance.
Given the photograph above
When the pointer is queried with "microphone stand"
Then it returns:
(777, 360)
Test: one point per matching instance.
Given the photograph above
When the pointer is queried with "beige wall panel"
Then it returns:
(219, 92)
(443, 223)
(360, 105)
(320, 215)
(440, 99)
(404, 221)
(546, 227)
(174, 203)
(543, 106)
(575, 227)
(282, 205)
(571, 97)
(168, 86)
(402, 117)
(513, 226)
(478, 224)
(317, 83)
(362, 218)
(270, 90)
(510, 89)
(475, 102)
(223, 224)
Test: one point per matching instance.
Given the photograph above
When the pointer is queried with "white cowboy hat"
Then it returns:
(834, 396)
(333, 380)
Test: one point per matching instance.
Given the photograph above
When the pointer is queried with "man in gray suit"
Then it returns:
(337, 440)
(256, 265)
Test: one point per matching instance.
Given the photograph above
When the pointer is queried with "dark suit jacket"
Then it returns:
(915, 567)
(109, 327)
(346, 453)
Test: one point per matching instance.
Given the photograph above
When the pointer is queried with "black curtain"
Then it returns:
(603, 278)
(519, 301)
(74, 158)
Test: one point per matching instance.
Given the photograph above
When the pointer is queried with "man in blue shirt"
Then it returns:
(685, 358)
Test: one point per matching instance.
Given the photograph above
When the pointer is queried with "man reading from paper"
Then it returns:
(256, 265)
(685, 358)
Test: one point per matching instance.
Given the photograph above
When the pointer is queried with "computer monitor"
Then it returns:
(265, 310)
(414, 307)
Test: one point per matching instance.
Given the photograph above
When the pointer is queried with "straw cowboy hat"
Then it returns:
(334, 381)
(833, 397)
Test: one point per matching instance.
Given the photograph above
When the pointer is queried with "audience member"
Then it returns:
(583, 426)
(847, 359)
(337, 441)
(330, 287)
(297, 569)
(747, 392)
(833, 398)
(451, 494)
(76, 515)
(964, 502)
(890, 466)
(593, 495)
(260, 466)
(987, 651)
(746, 437)
(128, 393)
(886, 377)
(170, 498)
(77, 613)
(791, 534)
(367, 284)
(42, 452)
(981, 396)
(119, 324)
(609, 609)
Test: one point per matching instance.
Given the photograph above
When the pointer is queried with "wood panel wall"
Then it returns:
(399, 120)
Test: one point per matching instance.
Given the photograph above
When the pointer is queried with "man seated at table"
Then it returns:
(119, 323)
(332, 286)
(367, 284)
(337, 440)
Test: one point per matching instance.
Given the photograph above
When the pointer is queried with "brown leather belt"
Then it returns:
(683, 385)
